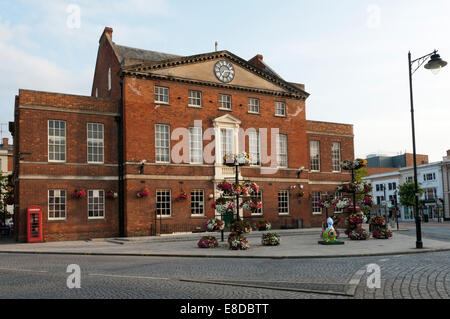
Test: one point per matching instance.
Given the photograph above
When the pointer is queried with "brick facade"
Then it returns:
(129, 114)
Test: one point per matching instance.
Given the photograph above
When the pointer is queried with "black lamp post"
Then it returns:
(435, 64)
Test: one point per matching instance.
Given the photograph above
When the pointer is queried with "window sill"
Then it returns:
(317, 213)
(195, 106)
(228, 110)
(254, 113)
(198, 217)
(161, 103)
(277, 115)
(284, 215)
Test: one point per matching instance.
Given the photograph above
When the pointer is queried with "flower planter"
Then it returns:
(208, 242)
(271, 239)
(215, 225)
(79, 194)
(237, 241)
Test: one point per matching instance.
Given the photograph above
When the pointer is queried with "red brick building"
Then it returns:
(128, 136)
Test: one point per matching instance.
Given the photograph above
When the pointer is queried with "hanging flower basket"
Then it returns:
(237, 241)
(9, 200)
(143, 193)
(215, 225)
(79, 193)
(111, 194)
(356, 164)
(240, 159)
(183, 196)
(208, 242)
(252, 188)
(263, 225)
(271, 239)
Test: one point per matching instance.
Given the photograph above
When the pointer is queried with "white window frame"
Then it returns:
(336, 156)
(314, 150)
(259, 212)
(54, 210)
(283, 195)
(160, 144)
(198, 197)
(315, 198)
(162, 92)
(226, 139)
(195, 145)
(254, 147)
(195, 98)
(225, 99)
(109, 80)
(253, 105)
(282, 152)
(98, 143)
(280, 109)
(96, 194)
(169, 202)
(56, 138)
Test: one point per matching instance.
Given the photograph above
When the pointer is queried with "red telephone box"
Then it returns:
(34, 224)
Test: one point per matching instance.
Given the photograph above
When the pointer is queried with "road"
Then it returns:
(45, 276)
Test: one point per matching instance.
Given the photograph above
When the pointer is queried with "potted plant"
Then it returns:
(241, 226)
(143, 193)
(237, 241)
(208, 242)
(183, 196)
(358, 234)
(382, 233)
(271, 239)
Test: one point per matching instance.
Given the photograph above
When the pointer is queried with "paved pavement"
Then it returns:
(299, 243)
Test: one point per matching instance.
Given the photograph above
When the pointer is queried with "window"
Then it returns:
(394, 185)
(163, 202)
(429, 177)
(161, 94)
(197, 202)
(280, 109)
(56, 141)
(196, 145)
(258, 196)
(95, 143)
(254, 147)
(225, 102)
(338, 195)
(282, 150)
(283, 202)
(409, 179)
(162, 137)
(195, 98)
(377, 186)
(253, 105)
(96, 204)
(430, 193)
(336, 156)
(226, 141)
(56, 204)
(315, 203)
(314, 149)
(109, 79)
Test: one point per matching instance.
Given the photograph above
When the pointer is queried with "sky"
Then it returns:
(352, 55)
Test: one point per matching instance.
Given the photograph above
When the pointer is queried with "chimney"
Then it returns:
(259, 57)
(5, 141)
(448, 153)
(107, 31)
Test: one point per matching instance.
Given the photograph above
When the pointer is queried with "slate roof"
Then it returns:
(142, 55)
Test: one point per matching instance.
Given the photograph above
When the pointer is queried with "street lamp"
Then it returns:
(435, 64)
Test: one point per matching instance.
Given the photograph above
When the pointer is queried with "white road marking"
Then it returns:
(133, 277)
(24, 270)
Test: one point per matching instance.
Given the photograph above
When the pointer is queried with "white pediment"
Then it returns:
(204, 71)
(226, 119)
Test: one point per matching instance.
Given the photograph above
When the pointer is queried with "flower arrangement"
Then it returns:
(377, 221)
(271, 239)
(324, 204)
(215, 224)
(252, 188)
(356, 164)
(340, 204)
(355, 187)
(241, 158)
(143, 193)
(9, 200)
(237, 241)
(79, 193)
(226, 188)
(263, 225)
(111, 194)
(183, 196)
(241, 226)
(252, 205)
(382, 233)
(301, 194)
(355, 219)
(224, 208)
(208, 242)
(358, 234)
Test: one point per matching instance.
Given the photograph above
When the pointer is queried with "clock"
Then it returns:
(224, 71)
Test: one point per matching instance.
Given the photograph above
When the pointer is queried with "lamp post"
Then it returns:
(435, 64)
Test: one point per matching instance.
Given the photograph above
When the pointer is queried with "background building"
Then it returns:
(446, 184)
(125, 137)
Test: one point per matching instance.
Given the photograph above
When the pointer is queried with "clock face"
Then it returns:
(224, 71)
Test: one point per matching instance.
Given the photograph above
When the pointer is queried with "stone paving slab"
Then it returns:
(294, 244)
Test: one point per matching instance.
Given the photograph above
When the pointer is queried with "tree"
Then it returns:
(6, 198)
(407, 193)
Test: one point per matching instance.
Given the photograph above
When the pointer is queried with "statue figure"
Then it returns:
(329, 234)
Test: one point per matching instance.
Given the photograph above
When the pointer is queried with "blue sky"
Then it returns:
(350, 54)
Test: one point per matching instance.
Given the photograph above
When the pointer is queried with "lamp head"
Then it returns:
(435, 64)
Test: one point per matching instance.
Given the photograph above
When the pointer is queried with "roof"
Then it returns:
(125, 52)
